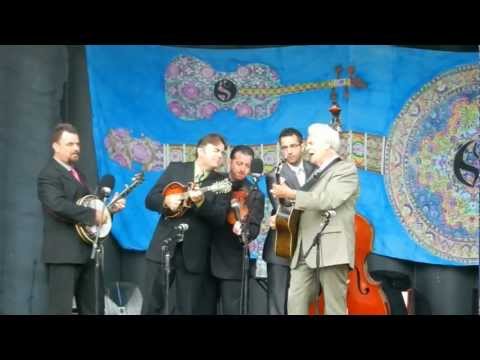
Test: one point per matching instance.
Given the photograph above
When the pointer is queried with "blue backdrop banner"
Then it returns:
(409, 121)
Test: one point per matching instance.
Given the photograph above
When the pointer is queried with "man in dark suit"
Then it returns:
(69, 267)
(195, 287)
(294, 172)
(227, 247)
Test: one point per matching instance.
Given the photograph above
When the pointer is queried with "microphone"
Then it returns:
(181, 227)
(329, 213)
(236, 208)
(105, 186)
(237, 185)
(280, 165)
(257, 168)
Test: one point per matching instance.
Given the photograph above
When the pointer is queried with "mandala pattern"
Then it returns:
(439, 210)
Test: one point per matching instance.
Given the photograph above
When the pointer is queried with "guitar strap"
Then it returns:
(313, 179)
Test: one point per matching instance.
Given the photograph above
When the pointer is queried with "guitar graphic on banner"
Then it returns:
(194, 90)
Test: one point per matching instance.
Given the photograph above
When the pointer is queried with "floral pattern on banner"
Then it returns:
(123, 149)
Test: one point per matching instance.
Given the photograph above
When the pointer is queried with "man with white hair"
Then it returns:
(333, 186)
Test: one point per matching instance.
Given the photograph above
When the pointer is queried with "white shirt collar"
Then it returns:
(299, 171)
(295, 169)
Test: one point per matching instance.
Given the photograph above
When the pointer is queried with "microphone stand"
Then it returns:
(245, 271)
(316, 243)
(97, 254)
(246, 260)
(167, 267)
(255, 179)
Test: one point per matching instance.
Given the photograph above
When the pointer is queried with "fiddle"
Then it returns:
(239, 209)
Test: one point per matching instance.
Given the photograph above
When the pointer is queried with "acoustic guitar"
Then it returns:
(286, 224)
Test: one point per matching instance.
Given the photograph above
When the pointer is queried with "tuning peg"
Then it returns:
(351, 70)
(338, 70)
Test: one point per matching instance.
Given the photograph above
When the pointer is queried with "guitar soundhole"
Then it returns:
(225, 90)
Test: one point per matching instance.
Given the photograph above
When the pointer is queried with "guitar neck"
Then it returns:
(277, 180)
(295, 89)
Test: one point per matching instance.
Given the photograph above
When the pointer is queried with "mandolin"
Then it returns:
(176, 188)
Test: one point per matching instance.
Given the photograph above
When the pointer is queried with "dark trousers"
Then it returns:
(194, 292)
(278, 278)
(154, 288)
(66, 281)
(229, 292)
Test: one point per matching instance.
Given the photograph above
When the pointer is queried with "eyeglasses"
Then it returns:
(291, 146)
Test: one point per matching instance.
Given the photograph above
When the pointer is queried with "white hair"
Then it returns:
(325, 136)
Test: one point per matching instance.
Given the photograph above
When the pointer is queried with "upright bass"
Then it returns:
(364, 295)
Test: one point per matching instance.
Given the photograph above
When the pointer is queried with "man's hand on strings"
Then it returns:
(172, 202)
(282, 191)
(237, 228)
(118, 205)
(196, 195)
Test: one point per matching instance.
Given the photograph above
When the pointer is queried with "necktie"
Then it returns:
(74, 173)
(200, 177)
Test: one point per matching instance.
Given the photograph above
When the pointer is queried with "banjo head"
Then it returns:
(93, 202)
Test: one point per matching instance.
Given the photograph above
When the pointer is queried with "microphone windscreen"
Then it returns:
(237, 185)
(107, 181)
(257, 166)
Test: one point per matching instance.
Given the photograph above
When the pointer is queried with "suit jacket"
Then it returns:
(58, 192)
(336, 189)
(227, 249)
(197, 239)
(292, 182)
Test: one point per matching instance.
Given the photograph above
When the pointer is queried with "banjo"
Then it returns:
(89, 234)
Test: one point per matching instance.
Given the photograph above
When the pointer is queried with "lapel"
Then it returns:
(316, 175)
(69, 179)
(290, 177)
(189, 175)
(189, 172)
(309, 168)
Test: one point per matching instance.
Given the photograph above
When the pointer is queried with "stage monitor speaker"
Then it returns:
(123, 298)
